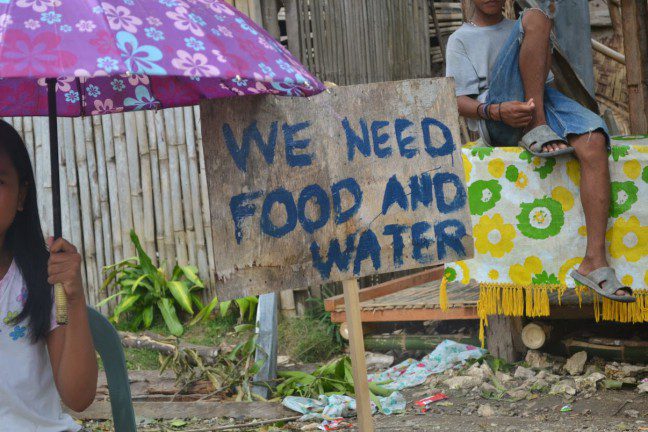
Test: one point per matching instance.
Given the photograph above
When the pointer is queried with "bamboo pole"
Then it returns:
(206, 213)
(176, 194)
(158, 208)
(95, 205)
(185, 186)
(111, 170)
(133, 174)
(87, 244)
(169, 243)
(194, 187)
(123, 183)
(70, 190)
(608, 52)
(43, 180)
(146, 190)
(102, 192)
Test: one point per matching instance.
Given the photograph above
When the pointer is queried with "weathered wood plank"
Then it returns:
(635, 41)
(275, 236)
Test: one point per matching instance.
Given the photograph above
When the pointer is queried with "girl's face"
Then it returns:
(12, 193)
(489, 7)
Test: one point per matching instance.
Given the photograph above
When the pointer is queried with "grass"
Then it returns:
(307, 340)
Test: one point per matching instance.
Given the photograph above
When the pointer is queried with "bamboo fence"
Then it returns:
(143, 171)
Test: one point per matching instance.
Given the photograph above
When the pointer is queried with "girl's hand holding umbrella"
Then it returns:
(64, 268)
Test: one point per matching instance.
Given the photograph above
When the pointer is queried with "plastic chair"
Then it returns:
(108, 345)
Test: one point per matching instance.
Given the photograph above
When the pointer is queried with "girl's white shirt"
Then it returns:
(29, 401)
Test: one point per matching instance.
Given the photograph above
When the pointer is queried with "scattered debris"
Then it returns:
(485, 411)
(377, 361)
(566, 387)
(425, 403)
(576, 363)
(524, 373)
(537, 359)
(566, 408)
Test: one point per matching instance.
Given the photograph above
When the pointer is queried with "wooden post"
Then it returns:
(356, 343)
(267, 341)
(635, 41)
(504, 337)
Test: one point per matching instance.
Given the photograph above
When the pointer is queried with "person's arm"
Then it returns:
(72, 353)
(513, 113)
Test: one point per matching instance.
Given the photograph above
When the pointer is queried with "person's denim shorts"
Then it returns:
(565, 116)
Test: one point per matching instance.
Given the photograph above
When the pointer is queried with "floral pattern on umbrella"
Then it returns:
(126, 55)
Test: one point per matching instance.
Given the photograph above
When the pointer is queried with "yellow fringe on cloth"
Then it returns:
(533, 301)
(443, 294)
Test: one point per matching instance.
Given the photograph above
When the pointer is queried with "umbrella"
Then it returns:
(73, 58)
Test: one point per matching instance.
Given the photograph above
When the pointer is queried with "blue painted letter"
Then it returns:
(421, 190)
(446, 148)
(323, 202)
(353, 187)
(280, 196)
(334, 256)
(459, 200)
(396, 231)
(242, 207)
(394, 193)
(399, 126)
(368, 246)
(295, 160)
(421, 242)
(251, 133)
(449, 233)
(353, 140)
(379, 139)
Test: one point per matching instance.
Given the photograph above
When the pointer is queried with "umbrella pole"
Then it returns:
(59, 293)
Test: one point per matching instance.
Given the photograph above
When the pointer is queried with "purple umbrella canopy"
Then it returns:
(126, 55)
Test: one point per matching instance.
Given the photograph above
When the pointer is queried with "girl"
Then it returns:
(40, 362)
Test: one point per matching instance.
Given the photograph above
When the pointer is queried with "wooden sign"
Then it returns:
(360, 180)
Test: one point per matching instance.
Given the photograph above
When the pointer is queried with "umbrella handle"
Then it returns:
(60, 299)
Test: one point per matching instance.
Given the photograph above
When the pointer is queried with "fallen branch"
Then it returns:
(161, 344)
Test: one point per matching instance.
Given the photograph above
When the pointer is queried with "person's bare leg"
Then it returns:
(595, 197)
(535, 63)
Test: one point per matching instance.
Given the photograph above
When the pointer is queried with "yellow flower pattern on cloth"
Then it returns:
(493, 236)
(528, 222)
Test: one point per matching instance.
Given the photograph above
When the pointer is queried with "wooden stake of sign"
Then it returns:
(356, 343)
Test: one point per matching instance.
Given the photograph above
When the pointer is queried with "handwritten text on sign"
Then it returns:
(365, 179)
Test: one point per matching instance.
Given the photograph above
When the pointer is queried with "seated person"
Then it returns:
(502, 74)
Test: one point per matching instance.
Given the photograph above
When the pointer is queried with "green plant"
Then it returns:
(335, 377)
(232, 370)
(307, 340)
(246, 307)
(144, 290)
(319, 313)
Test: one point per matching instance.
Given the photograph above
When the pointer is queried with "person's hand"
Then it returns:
(513, 113)
(64, 267)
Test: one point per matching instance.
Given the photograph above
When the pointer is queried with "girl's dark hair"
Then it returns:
(25, 239)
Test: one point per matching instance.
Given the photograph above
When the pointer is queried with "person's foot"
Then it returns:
(588, 265)
(551, 146)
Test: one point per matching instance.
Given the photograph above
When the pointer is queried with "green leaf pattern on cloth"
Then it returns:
(483, 195)
(540, 219)
(624, 195)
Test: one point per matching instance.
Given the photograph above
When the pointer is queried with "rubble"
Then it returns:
(576, 363)
(463, 382)
(565, 387)
(485, 411)
(537, 359)
(524, 373)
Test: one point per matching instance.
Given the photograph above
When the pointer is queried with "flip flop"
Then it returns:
(538, 137)
(604, 281)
